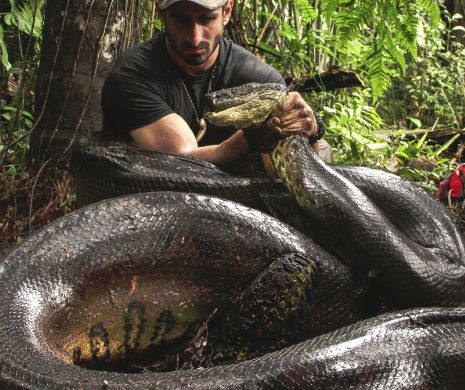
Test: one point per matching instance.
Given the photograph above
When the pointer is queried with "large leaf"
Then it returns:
(3, 51)
(27, 17)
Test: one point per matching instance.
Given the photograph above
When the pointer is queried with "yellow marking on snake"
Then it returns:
(253, 112)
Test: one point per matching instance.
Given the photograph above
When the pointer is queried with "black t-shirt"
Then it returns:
(145, 85)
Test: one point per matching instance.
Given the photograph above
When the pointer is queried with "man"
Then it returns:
(153, 95)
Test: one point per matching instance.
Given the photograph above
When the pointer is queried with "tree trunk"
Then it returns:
(457, 7)
(79, 43)
(460, 9)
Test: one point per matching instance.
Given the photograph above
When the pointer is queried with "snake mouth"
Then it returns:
(244, 106)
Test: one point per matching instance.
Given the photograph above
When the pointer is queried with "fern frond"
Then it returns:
(378, 70)
(431, 8)
(306, 11)
(350, 24)
(328, 9)
(407, 25)
(352, 19)
(396, 53)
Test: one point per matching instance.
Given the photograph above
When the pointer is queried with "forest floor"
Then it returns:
(29, 202)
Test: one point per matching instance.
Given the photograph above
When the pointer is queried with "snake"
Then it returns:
(136, 285)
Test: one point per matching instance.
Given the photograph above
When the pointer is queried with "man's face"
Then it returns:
(193, 32)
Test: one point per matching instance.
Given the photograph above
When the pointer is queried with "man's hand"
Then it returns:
(295, 118)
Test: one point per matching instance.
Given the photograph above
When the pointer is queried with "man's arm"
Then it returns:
(171, 134)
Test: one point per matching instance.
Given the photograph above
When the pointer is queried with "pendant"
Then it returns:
(202, 129)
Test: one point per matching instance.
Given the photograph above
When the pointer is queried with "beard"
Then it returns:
(192, 58)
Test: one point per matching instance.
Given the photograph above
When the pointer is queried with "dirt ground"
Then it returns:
(28, 202)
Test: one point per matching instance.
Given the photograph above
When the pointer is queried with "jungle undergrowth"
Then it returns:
(29, 202)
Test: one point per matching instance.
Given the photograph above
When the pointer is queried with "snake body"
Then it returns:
(170, 234)
(122, 281)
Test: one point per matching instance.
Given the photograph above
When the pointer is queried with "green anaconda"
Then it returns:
(123, 283)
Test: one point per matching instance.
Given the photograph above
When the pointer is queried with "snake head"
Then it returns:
(246, 105)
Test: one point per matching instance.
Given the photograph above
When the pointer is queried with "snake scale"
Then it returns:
(100, 297)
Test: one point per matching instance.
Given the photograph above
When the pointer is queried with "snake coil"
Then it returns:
(115, 285)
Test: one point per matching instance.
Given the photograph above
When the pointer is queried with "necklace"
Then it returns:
(200, 120)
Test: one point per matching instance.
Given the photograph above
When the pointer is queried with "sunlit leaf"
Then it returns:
(3, 51)
(447, 144)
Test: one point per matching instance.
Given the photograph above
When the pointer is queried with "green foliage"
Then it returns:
(23, 121)
(151, 23)
(20, 33)
(353, 131)
(388, 31)
(411, 154)
(430, 7)
(3, 50)
(26, 16)
(433, 88)
(23, 16)
(306, 12)
(351, 18)
(378, 70)
(289, 54)
(352, 126)
(376, 37)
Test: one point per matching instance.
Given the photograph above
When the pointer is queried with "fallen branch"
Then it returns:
(333, 78)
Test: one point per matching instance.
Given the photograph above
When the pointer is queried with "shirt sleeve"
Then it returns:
(129, 103)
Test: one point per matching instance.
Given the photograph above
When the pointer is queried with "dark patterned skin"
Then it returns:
(121, 289)
(177, 237)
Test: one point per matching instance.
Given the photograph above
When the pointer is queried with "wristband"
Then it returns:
(251, 138)
(320, 129)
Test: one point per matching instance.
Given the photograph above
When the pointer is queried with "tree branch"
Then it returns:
(333, 78)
